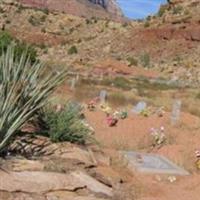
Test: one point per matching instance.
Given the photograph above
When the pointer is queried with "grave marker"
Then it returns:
(103, 96)
(152, 163)
(140, 107)
(73, 83)
(176, 111)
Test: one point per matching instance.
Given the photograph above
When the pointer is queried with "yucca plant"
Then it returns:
(24, 89)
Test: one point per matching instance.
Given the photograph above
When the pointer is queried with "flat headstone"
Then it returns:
(139, 107)
(176, 110)
(103, 96)
(152, 163)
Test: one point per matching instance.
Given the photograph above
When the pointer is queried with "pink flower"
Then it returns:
(197, 152)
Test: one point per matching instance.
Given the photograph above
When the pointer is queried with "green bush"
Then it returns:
(145, 60)
(87, 21)
(6, 39)
(33, 21)
(177, 10)
(162, 10)
(132, 61)
(148, 18)
(46, 11)
(66, 125)
(30, 50)
(146, 24)
(72, 50)
(121, 82)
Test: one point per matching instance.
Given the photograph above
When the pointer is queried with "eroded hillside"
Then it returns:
(167, 42)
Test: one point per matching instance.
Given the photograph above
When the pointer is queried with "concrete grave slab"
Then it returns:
(152, 163)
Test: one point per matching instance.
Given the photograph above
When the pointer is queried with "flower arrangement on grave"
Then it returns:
(111, 120)
(160, 111)
(146, 112)
(158, 136)
(197, 162)
(123, 114)
(105, 108)
(92, 104)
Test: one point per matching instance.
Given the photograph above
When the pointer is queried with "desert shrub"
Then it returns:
(43, 18)
(43, 30)
(121, 82)
(46, 11)
(71, 30)
(162, 10)
(6, 39)
(33, 21)
(19, 8)
(145, 60)
(148, 18)
(22, 47)
(146, 24)
(125, 24)
(66, 125)
(2, 10)
(87, 21)
(132, 61)
(177, 10)
(72, 50)
(198, 96)
(7, 21)
(94, 20)
(186, 12)
(24, 90)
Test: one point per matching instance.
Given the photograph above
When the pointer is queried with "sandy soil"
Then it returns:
(182, 140)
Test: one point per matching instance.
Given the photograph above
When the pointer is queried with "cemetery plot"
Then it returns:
(152, 163)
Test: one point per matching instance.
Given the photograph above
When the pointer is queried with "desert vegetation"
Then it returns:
(65, 124)
(20, 47)
(24, 90)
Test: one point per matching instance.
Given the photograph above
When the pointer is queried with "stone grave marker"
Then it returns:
(139, 107)
(73, 83)
(77, 78)
(103, 96)
(152, 163)
(176, 111)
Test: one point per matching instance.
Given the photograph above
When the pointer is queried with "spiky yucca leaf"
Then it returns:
(23, 90)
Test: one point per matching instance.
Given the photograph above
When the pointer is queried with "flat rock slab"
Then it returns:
(37, 182)
(91, 183)
(44, 182)
(152, 163)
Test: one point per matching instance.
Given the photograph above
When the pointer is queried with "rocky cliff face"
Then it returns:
(83, 8)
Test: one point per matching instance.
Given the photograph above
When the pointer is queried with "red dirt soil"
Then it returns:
(133, 133)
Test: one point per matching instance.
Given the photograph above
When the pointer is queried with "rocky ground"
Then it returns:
(99, 172)
(62, 171)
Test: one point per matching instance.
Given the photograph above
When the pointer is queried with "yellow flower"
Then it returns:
(198, 164)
